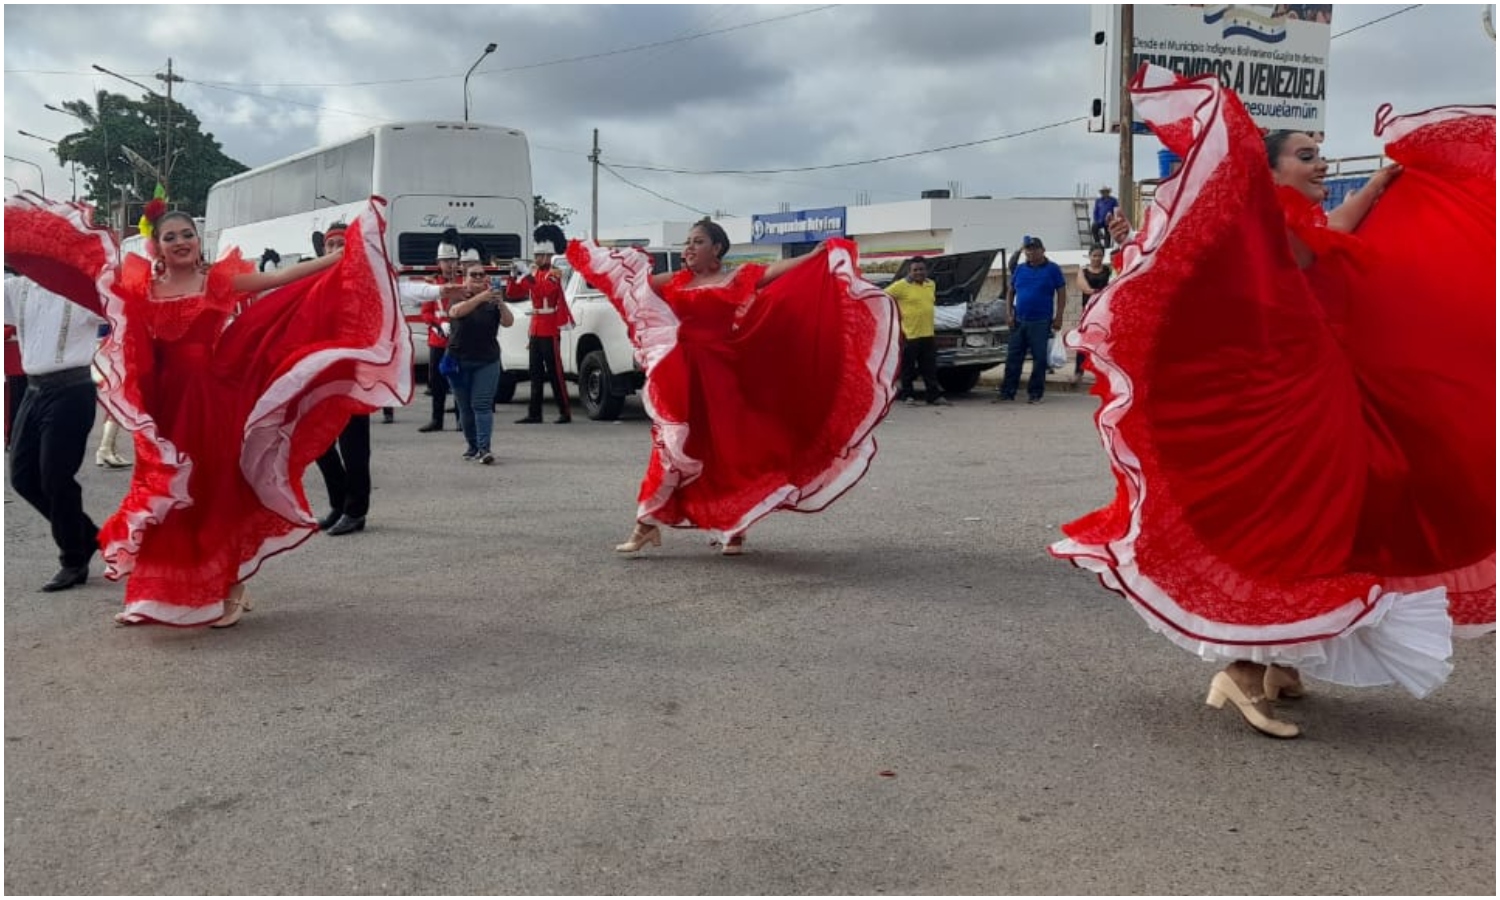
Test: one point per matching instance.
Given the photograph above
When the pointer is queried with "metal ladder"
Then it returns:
(1083, 212)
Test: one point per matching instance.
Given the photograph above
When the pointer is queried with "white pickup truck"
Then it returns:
(596, 352)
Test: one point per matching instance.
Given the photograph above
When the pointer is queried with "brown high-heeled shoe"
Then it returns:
(735, 546)
(1255, 709)
(1283, 681)
(641, 536)
(235, 607)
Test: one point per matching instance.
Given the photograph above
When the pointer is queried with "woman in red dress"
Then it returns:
(230, 392)
(764, 383)
(1299, 408)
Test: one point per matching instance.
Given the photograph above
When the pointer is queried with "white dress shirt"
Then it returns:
(55, 333)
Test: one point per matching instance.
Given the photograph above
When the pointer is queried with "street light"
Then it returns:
(40, 177)
(488, 49)
(167, 156)
(100, 68)
(72, 164)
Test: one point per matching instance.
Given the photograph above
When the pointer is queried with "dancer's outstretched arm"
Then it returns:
(258, 282)
(1352, 211)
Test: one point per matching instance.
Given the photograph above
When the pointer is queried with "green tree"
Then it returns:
(544, 211)
(115, 122)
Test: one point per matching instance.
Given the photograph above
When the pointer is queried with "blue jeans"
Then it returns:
(1032, 335)
(474, 395)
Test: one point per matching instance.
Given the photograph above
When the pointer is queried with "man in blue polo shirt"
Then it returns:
(1038, 294)
(1104, 207)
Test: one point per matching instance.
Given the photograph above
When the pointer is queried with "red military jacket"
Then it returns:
(549, 308)
(435, 314)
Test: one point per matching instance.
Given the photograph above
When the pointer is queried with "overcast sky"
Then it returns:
(809, 86)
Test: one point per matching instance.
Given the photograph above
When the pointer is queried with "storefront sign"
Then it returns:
(799, 227)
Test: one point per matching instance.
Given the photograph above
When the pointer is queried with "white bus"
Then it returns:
(434, 175)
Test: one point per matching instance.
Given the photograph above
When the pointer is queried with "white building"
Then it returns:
(890, 231)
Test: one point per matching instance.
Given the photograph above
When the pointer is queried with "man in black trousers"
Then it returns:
(346, 465)
(52, 425)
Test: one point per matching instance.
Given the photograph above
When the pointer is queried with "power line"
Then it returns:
(545, 63)
(682, 171)
(863, 162)
(1377, 21)
(221, 87)
(651, 192)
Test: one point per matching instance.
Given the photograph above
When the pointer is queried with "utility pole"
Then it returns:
(1127, 114)
(594, 217)
(167, 160)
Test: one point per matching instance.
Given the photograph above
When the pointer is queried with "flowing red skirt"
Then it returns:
(230, 396)
(761, 399)
(1305, 460)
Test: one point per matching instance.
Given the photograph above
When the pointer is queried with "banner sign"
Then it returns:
(801, 226)
(1274, 57)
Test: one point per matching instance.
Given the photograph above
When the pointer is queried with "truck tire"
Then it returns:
(505, 389)
(959, 381)
(596, 388)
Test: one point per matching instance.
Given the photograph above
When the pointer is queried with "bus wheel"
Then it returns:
(596, 388)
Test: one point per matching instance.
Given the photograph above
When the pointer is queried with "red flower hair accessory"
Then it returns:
(155, 209)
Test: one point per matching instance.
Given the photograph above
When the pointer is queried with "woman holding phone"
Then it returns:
(474, 355)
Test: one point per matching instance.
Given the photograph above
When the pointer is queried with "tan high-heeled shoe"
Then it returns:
(640, 537)
(1283, 681)
(235, 607)
(1255, 709)
(110, 460)
(735, 546)
(106, 457)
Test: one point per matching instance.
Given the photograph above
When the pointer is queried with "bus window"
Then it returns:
(331, 174)
(292, 186)
(359, 170)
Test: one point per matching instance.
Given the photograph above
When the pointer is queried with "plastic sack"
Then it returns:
(1057, 354)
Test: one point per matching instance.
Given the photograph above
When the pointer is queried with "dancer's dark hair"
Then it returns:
(716, 235)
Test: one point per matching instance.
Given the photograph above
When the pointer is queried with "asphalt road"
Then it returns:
(902, 695)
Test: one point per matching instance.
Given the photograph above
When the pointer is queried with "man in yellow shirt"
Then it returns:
(916, 297)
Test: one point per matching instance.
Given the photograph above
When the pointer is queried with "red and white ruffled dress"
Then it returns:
(230, 396)
(1305, 460)
(761, 400)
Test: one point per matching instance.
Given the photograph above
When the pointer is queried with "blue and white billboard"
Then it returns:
(801, 226)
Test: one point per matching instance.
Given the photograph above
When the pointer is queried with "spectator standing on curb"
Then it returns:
(1104, 207)
(1038, 295)
(916, 297)
(1092, 279)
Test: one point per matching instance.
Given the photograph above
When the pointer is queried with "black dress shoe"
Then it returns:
(431, 427)
(562, 420)
(387, 416)
(529, 421)
(329, 520)
(66, 577)
(347, 525)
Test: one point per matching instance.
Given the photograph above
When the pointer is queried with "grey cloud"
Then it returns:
(848, 83)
